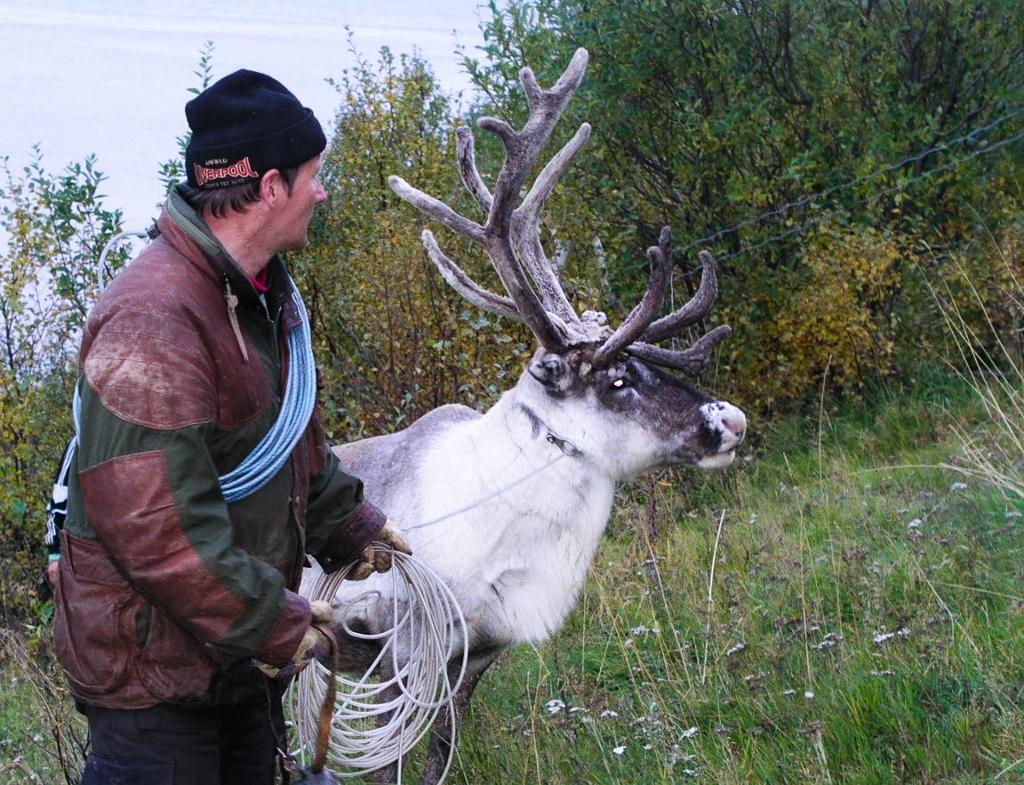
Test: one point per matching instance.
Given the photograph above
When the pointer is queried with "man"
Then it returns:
(166, 595)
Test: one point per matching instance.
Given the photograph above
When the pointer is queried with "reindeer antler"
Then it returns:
(510, 235)
(511, 238)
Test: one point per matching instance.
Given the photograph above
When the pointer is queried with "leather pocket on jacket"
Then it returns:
(92, 601)
(174, 666)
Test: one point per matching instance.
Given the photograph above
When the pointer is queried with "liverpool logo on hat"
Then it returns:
(236, 172)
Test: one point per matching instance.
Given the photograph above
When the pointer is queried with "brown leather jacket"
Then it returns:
(165, 592)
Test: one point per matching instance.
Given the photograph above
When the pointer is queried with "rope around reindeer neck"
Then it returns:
(375, 723)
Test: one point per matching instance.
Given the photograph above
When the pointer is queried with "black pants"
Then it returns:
(174, 745)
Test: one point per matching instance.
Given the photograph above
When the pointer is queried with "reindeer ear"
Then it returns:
(552, 371)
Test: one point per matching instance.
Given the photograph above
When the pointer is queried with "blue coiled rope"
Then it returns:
(297, 407)
(277, 444)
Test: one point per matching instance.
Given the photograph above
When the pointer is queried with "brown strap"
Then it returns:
(289, 767)
(323, 731)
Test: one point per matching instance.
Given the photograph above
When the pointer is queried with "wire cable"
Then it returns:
(984, 148)
(971, 136)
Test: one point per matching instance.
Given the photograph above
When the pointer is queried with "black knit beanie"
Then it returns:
(244, 125)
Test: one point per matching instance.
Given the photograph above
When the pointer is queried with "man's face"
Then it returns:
(297, 208)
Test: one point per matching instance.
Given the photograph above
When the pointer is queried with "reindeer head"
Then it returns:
(603, 387)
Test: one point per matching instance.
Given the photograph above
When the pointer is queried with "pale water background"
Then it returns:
(110, 78)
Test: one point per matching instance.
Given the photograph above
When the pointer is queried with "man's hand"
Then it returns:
(371, 561)
(313, 644)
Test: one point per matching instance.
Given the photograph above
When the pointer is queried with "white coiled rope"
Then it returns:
(377, 721)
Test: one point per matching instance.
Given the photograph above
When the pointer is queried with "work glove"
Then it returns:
(371, 560)
(313, 644)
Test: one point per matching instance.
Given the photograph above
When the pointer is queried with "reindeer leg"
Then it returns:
(443, 731)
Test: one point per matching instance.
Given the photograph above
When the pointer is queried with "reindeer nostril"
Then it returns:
(735, 426)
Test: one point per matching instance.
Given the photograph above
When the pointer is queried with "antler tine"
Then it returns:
(521, 147)
(570, 78)
(691, 361)
(528, 307)
(646, 309)
(467, 168)
(552, 172)
(531, 87)
(435, 208)
(466, 286)
(525, 228)
(693, 311)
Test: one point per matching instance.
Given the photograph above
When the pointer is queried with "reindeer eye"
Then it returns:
(618, 384)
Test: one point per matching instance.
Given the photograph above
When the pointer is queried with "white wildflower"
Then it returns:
(788, 693)
(827, 642)
(689, 733)
(809, 695)
(882, 637)
(915, 524)
(648, 746)
(735, 649)
(609, 713)
(674, 756)
(554, 706)
(619, 750)
(958, 487)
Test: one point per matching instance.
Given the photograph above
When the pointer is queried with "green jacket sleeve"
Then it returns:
(339, 521)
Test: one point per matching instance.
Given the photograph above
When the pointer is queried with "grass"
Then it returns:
(42, 737)
(840, 607)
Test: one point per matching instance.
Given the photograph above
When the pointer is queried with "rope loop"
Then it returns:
(378, 720)
(273, 450)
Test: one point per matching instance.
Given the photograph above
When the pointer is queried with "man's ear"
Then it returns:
(552, 371)
(272, 187)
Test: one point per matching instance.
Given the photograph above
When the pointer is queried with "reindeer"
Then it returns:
(592, 409)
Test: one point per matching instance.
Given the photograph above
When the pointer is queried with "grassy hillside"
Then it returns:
(835, 608)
